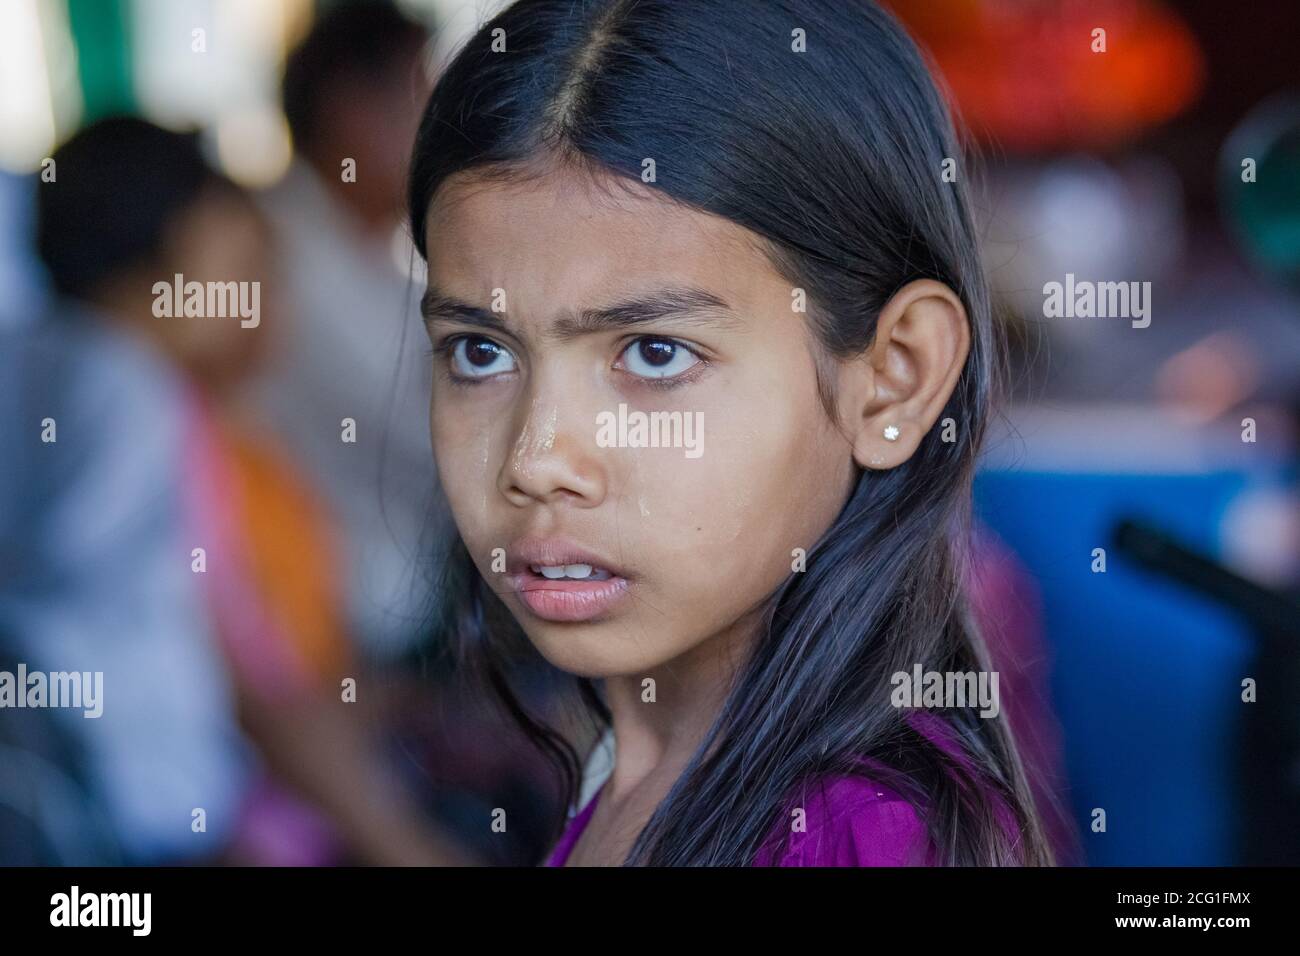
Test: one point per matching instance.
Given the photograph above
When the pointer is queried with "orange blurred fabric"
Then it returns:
(289, 550)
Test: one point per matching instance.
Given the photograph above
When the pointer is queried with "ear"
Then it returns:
(904, 380)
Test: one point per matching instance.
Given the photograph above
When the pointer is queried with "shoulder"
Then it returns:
(849, 820)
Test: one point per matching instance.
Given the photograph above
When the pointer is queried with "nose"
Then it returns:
(553, 460)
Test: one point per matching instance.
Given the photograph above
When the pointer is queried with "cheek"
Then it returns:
(772, 476)
(463, 452)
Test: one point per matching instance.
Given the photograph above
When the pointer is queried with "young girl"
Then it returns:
(714, 357)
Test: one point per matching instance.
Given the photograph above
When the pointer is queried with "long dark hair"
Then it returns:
(836, 156)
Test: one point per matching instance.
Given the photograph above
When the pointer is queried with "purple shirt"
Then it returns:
(849, 821)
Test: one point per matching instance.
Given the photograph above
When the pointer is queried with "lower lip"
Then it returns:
(568, 599)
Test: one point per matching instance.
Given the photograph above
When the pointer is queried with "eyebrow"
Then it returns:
(686, 302)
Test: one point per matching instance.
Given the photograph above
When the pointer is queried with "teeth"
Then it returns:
(576, 572)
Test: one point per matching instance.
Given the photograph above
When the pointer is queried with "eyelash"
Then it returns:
(445, 347)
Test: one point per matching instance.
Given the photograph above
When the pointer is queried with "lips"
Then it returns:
(564, 583)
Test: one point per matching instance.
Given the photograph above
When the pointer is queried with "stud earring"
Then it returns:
(891, 433)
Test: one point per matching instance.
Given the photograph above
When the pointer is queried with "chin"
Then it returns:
(592, 650)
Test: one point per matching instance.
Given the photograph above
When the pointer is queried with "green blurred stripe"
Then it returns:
(101, 31)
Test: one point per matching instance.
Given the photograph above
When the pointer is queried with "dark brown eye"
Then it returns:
(657, 352)
(481, 352)
(658, 358)
(477, 357)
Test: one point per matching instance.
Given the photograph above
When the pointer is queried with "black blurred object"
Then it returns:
(121, 181)
(1268, 758)
(459, 749)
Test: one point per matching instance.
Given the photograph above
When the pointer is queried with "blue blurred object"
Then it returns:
(22, 283)
(95, 577)
(1146, 678)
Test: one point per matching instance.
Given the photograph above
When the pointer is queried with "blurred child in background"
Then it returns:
(135, 216)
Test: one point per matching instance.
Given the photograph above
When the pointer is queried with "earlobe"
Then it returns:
(915, 360)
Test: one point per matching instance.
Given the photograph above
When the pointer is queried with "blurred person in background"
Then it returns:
(136, 209)
(348, 350)
(94, 577)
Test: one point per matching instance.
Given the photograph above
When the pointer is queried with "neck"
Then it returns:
(655, 740)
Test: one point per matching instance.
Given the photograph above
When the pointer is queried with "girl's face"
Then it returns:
(564, 317)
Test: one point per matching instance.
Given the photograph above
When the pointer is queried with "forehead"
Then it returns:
(568, 238)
